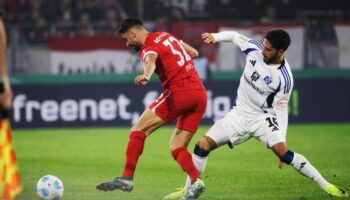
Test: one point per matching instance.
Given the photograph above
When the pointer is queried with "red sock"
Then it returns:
(184, 159)
(133, 151)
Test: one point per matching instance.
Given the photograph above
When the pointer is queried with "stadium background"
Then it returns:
(69, 68)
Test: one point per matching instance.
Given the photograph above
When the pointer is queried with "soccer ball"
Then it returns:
(49, 188)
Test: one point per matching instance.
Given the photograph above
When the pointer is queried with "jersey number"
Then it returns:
(183, 55)
(272, 123)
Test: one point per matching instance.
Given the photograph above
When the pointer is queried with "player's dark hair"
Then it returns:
(279, 39)
(128, 23)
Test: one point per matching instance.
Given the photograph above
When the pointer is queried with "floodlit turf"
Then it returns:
(82, 158)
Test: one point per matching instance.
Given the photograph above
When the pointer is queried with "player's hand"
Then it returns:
(194, 53)
(280, 164)
(141, 80)
(208, 38)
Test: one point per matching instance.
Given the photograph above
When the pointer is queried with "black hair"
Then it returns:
(128, 23)
(279, 39)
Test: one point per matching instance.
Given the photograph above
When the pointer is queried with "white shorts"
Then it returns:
(235, 129)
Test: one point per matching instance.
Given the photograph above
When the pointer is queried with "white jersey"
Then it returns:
(263, 88)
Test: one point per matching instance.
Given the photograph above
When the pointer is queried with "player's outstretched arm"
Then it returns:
(190, 50)
(6, 94)
(228, 36)
(148, 69)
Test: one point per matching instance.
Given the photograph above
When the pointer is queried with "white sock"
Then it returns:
(200, 163)
(303, 166)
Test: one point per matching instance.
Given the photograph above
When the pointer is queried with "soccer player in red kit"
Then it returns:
(184, 98)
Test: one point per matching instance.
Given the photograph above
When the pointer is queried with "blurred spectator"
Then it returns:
(285, 10)
(154, 10)
(66, 11)
(39, 32)
(182, 4)
(322, 49)
(176, 14)
(131, 7)
(89, 17)
(202, 65)
(23, 9)
(251, 10)
(112, 19)
(85, 27)
(224, 10)
(198, 9)
(269, 15)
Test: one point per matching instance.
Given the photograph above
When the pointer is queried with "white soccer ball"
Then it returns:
(49, 188)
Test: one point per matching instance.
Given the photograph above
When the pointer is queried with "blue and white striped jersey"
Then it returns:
(263, 88)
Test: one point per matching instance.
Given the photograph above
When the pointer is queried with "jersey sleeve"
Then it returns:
(283, 97)
(246, 44)
(148, 50)
(281, 101)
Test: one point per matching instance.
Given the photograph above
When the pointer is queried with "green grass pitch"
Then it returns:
(82, 158)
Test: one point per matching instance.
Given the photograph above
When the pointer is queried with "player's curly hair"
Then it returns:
(128, 23)
(279, 39)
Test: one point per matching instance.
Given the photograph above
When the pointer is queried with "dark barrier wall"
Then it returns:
(324, 100)
(120, 104)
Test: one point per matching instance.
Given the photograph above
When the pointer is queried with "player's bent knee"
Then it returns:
(200, 152)
(207, 143)
(287, 157)
(146, 131)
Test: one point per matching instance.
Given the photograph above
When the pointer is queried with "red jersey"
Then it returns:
(174, 66)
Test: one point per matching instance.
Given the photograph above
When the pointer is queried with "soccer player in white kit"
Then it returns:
(261, 107)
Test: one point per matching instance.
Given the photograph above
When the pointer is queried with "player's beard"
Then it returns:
(135, 47)
(271, 60)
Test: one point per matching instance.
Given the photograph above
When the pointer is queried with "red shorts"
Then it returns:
(188, 106)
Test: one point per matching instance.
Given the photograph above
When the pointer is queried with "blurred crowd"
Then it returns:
(37, 19)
